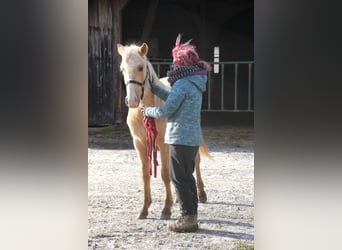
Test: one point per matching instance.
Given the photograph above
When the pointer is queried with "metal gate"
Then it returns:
(229, 90)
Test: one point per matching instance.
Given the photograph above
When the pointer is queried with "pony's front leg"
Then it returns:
(202, 196)
(141, 150)
(165, 174)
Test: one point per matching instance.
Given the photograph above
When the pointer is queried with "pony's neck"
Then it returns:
(148, 99)
(155, 78)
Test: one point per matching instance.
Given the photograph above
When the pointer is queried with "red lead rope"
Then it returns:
(151, 143)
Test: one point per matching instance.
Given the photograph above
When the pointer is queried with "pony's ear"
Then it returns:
(143, 49)
(121, 48)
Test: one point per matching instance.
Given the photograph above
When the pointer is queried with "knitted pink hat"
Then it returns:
(185, 55)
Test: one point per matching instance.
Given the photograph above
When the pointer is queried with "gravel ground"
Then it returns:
(115, 194)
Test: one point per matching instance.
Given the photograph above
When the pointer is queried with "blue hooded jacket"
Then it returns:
(183, 110)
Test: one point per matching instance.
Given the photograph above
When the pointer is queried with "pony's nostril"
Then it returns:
(132, 102)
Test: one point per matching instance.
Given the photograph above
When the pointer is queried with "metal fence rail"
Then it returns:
(229, 90)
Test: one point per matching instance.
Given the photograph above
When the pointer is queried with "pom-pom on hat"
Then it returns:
(185, 55)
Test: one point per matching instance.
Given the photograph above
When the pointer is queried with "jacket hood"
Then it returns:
(199, 81)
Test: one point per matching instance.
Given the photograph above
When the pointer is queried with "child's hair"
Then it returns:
(185, 54)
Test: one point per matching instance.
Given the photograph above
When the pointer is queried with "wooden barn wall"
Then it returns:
(100, 63)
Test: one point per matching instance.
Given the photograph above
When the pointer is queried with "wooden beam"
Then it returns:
(122, 4)
(203, 50)
(117, 7)
(151, 13)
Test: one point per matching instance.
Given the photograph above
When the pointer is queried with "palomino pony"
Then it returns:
(138, 74)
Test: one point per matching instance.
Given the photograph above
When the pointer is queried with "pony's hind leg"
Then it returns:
(165, 174)
(202, 196)
(141, 150)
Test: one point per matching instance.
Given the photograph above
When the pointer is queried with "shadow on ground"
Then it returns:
(219, 138)
(228, 234)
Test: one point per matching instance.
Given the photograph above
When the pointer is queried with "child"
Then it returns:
(183, 130)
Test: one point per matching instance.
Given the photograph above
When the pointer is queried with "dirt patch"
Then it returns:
(115, 194)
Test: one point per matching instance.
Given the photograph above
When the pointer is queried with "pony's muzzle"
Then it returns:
(132, 102)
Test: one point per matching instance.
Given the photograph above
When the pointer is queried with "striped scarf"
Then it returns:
(183, 71)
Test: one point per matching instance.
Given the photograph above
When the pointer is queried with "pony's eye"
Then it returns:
(140, 68)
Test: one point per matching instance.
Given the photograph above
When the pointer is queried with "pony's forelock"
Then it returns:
(131, 54)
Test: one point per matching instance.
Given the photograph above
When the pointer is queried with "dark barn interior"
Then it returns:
(227, 24)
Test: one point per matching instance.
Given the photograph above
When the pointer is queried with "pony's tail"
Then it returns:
(203, 149)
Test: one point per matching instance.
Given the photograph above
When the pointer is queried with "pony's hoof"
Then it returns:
(202, 197)
(142, 216)
(165, 216)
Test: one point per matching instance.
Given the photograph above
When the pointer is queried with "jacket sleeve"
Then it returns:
(161, 92)
(173, 101)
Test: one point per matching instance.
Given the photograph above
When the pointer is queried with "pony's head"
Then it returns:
(135, 71)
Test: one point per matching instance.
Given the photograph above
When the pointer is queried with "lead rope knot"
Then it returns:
(151, 144)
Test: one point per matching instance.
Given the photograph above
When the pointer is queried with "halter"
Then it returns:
(142, 85)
